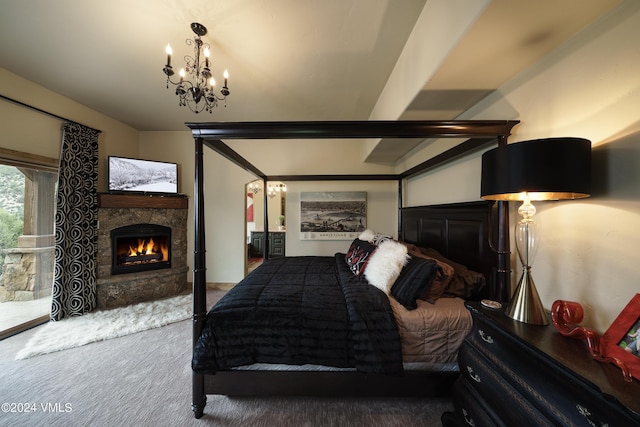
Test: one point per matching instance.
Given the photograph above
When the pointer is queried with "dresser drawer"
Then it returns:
(500, 393)
(557, 393)
(468, 408)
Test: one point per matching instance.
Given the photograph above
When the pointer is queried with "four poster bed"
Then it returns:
(325, 330)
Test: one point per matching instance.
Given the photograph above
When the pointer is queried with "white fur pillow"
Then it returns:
(367, 235)
(385, 264)
(373, 237)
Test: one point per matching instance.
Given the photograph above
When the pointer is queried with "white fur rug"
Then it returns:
(105, 324)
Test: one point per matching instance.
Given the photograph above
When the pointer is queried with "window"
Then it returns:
(27, 212)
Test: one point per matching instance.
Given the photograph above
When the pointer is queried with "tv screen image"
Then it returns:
(142, 176)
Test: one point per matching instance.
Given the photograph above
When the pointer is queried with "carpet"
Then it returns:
(105, 324)
(145, 379)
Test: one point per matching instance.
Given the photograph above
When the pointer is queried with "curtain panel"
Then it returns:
(76, 220)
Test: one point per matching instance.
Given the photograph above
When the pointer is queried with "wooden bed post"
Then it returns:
(199, 274)
(503, 279)
(400, 182)
(265, 244)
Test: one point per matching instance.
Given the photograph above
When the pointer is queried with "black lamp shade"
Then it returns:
(547, 169)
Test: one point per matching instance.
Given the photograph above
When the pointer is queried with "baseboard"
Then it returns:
(218, 286)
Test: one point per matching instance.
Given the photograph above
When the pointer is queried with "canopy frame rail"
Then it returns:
(479, 133)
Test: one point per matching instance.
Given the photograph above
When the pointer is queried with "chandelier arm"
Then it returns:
(218, 98)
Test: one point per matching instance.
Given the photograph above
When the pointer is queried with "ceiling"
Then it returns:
(287, 59)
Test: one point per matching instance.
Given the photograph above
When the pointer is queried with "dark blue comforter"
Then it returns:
(301, 310)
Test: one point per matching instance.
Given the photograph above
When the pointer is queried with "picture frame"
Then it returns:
(622, 340)
(332, 215)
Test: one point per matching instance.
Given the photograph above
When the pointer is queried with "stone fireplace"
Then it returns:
(142, 248)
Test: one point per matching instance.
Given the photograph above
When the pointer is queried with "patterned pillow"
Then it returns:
(415, 279)
(358, 255)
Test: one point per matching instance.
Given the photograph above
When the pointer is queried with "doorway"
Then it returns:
(275, 200)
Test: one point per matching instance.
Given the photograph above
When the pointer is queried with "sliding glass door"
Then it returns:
(27, 200)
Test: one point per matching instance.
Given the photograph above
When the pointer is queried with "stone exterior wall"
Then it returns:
(124, 289)
(27, 272)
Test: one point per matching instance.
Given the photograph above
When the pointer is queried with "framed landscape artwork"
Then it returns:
(330, 215)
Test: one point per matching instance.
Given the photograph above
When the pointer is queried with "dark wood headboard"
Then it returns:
(463, 232)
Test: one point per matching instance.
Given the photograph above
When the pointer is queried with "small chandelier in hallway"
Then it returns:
(276, 189)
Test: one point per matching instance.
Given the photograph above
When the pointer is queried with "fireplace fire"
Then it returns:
(140, 247)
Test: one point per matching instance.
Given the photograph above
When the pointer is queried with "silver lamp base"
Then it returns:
(525, 305)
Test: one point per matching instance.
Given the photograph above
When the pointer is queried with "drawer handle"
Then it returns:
(485, 338)
(467, 418)
(473, 375)
(590, 418)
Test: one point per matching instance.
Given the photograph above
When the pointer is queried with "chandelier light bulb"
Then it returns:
(206, 57)
(212, 82)
(169, 52)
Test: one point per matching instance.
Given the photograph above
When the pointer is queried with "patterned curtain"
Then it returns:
(74, 287)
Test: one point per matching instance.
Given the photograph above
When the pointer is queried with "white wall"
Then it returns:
(36, 133)
(588, 88)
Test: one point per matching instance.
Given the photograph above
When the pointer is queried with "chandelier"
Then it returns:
(254, 187)
(196, 83)
(274, 190)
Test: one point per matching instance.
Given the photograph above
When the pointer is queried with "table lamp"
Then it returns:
(540, 169)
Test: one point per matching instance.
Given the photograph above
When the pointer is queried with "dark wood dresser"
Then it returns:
(277, 241)
(514, 374)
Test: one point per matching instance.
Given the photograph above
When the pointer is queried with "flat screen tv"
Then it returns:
(142, 176)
